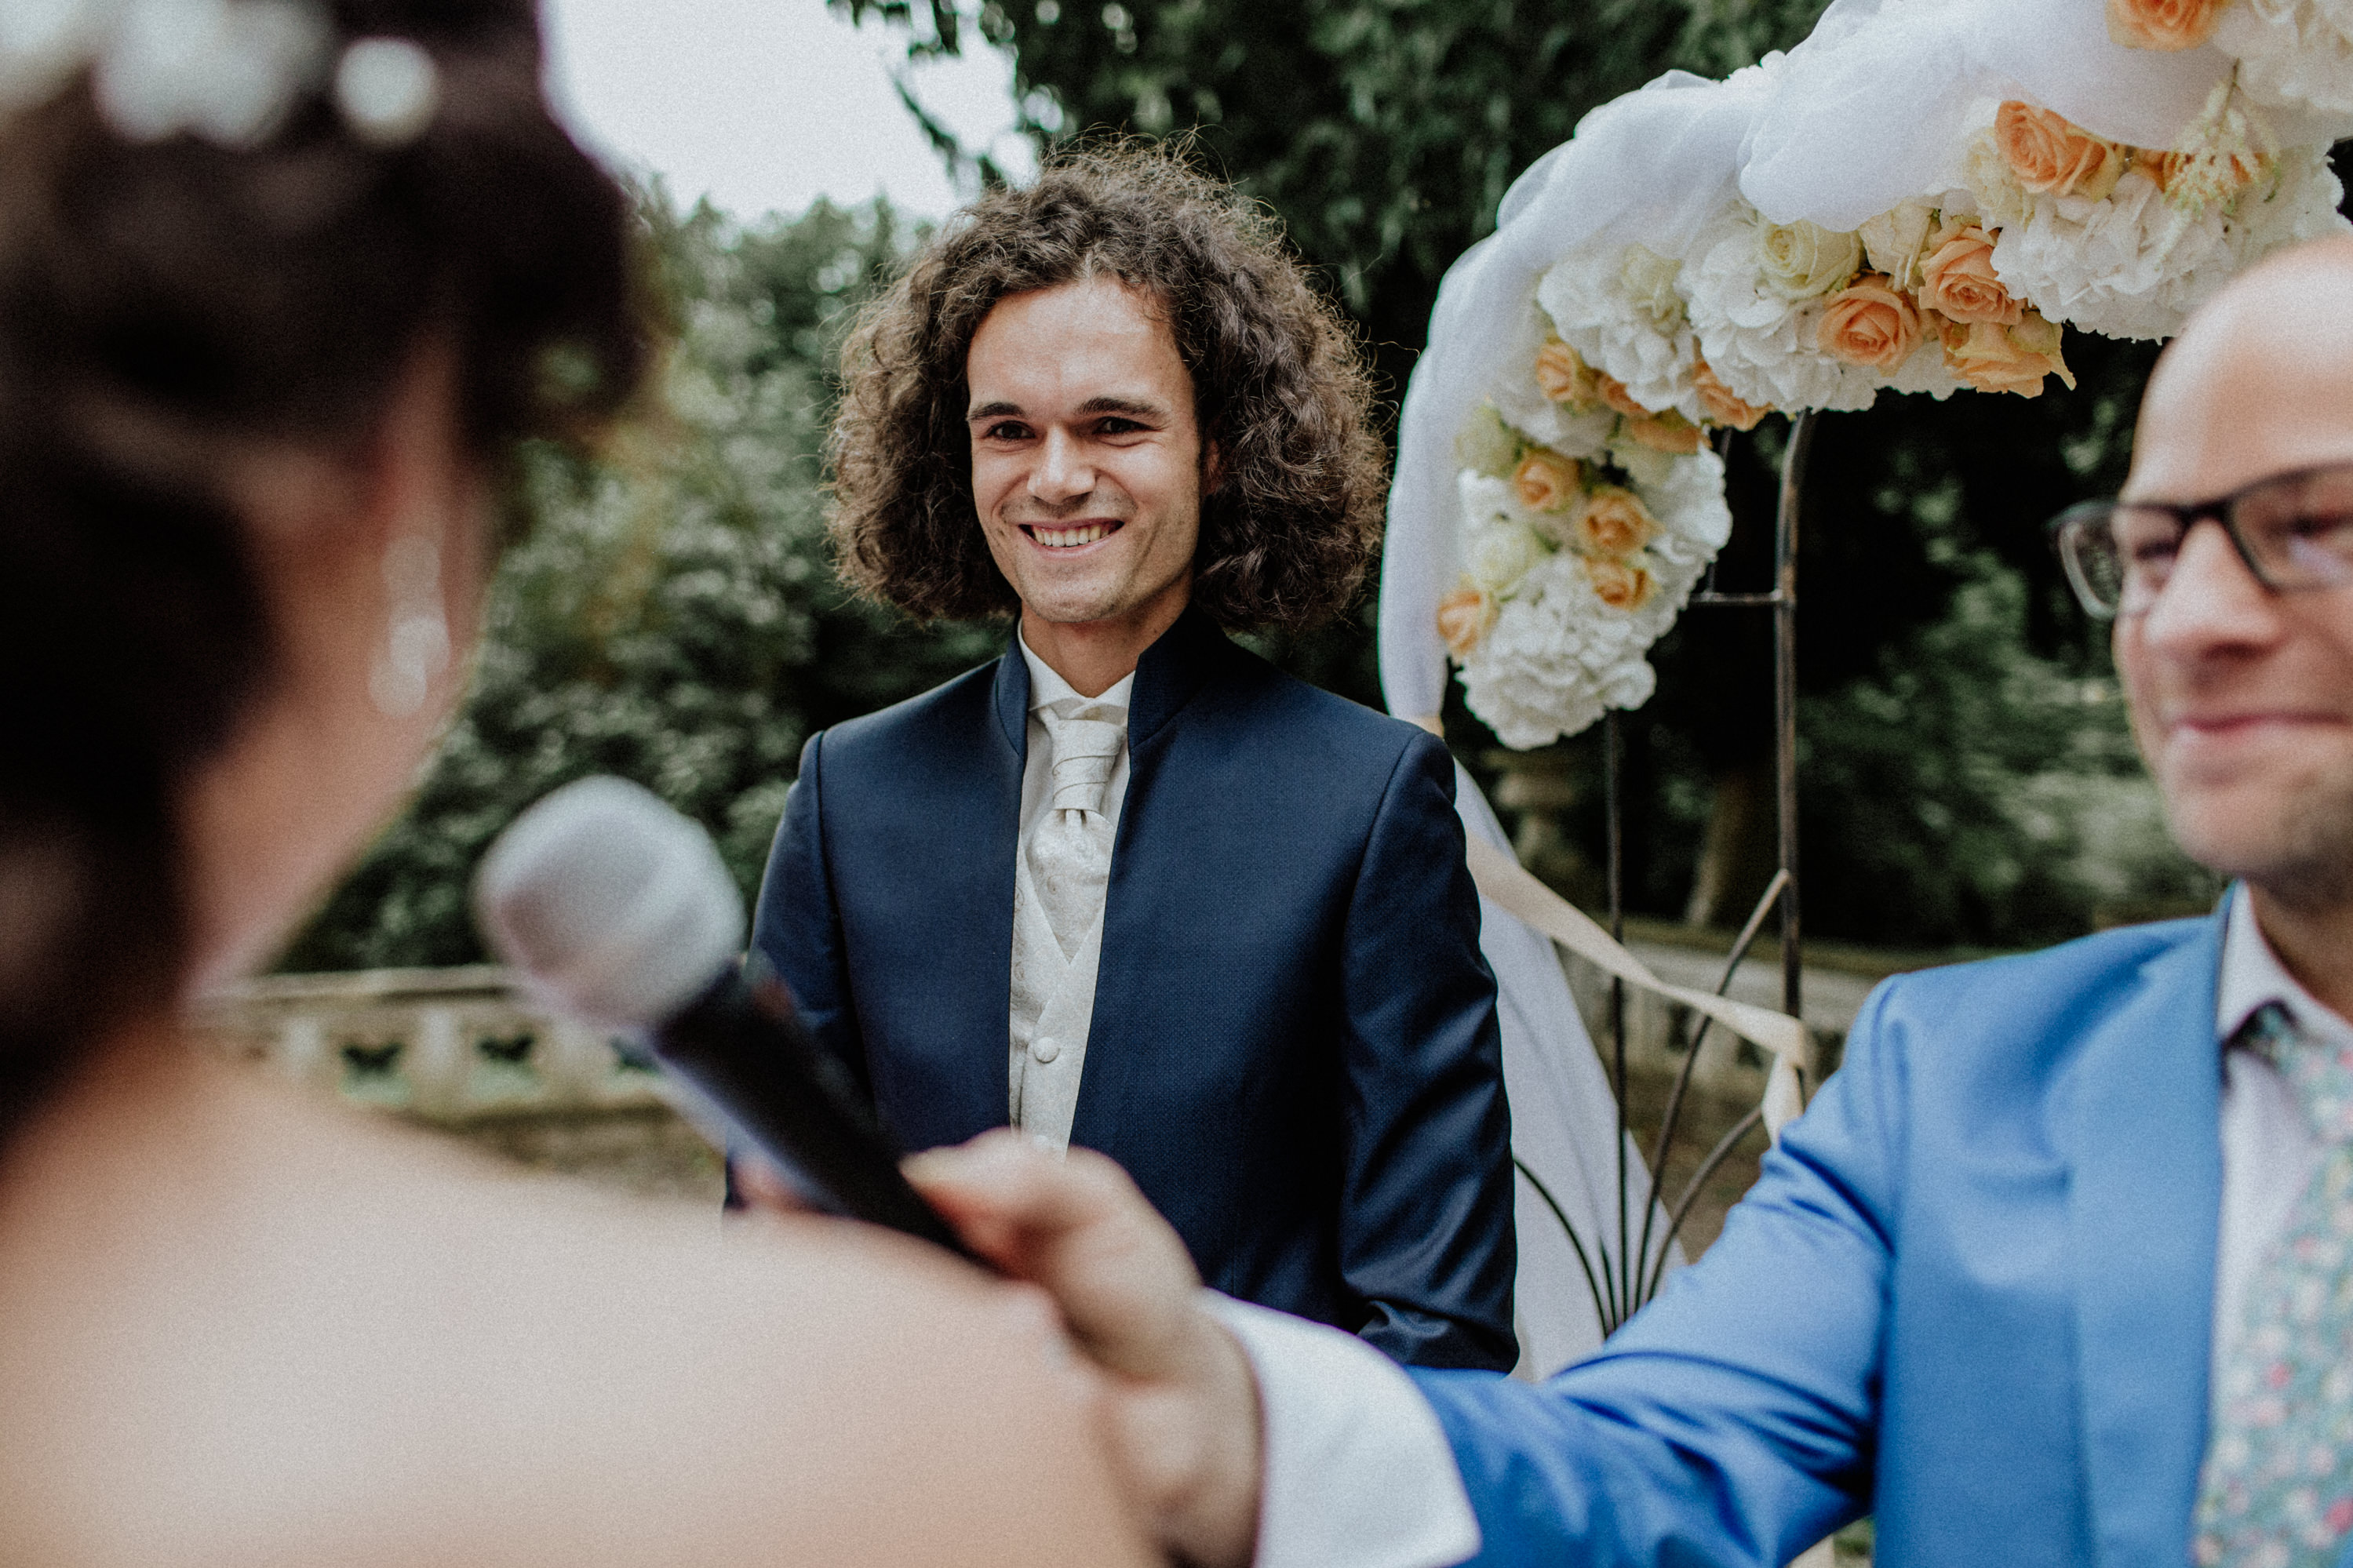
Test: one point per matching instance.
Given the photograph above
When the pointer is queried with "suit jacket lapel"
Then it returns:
(986, 1090)
(2143, 1208)
(1168, 678)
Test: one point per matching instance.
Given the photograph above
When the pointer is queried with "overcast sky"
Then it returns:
(765, 105)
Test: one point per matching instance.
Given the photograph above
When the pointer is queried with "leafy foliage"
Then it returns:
(674, 618)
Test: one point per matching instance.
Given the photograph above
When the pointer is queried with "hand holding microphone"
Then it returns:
(617, 911)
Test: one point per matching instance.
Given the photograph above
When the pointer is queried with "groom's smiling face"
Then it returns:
(1086, 459)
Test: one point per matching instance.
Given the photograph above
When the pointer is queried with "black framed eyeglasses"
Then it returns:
(2293, 530)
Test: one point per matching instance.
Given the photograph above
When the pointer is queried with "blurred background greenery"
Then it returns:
(1967, 776)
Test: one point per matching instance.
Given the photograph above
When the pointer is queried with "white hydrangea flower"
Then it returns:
(1619, 335)
(1558, 655)
(2300, 203)
(2135, 265)
(2295, 53)
(1758, 343)
(2120, 265)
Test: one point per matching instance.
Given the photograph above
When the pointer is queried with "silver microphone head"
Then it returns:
(614, 909)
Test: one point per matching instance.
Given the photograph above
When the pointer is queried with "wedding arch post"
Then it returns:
(1641, 1263)
(1782, 600)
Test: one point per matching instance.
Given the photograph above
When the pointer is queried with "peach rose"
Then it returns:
(1614, 394)
(1463, 618)
(1617, 585)
(1992, 357)
(1563, 377)
(2168, 25)
(1545, 480)
(1720, 405)
(2050, 155)
(1615, 521)
(1869, 324)
(1667, 432)
(1956, 280)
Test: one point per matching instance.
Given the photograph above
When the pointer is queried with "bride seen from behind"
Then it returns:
(281, 291)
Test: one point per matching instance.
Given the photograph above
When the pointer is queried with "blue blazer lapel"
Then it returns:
(2144, 1207)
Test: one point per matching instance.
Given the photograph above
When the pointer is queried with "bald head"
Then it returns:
(2259, 382)
(2242, 693)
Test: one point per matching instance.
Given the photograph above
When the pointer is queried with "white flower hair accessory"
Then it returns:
(386, 89)
(229, 71)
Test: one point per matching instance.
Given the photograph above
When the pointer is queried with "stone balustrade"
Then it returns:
(461, 1051)
(446, 1046)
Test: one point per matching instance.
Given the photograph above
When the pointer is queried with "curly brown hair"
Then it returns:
(1292, 518)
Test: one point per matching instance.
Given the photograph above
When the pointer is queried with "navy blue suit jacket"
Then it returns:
(1294, 1046)
(1972, 1293)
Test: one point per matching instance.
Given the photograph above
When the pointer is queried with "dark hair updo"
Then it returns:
(162, 302)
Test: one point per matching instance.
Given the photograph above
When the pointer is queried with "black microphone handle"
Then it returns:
(756, 1063)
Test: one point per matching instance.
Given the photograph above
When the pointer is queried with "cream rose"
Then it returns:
(1869, 324)
(1614, 522)
(1545, 480)
(1617, 584)
(1485, 445)
(1563, 377)
(1463, 618)
(1895, 241)
(1648, 281)
(2168, 25)
(1957, 279)
(1718, 402)
(1667, 432)
(1500, 554)
(1799, 260)
(1992, 357)
(2048, 154)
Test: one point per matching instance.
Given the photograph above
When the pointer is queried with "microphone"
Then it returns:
(617, 911)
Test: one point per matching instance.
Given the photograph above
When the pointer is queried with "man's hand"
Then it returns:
(1183, 1407)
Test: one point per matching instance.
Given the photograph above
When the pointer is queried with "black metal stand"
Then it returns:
(1633, 1277)
(1783, 600)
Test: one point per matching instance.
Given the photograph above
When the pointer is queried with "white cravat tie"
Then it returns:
(1070, 853)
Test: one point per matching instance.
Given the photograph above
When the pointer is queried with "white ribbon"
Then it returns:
(1515, 890)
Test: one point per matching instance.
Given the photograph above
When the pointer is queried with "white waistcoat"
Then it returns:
(1052, 997)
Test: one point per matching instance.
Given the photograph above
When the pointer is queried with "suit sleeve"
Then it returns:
(797, 926)
(1734, 1420)
(1425, 1227)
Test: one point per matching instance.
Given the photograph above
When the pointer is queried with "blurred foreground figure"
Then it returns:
(2058, 1267)
(282, 288)
(1130, 887)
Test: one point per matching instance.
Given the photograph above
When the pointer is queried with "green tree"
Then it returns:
(673, 617)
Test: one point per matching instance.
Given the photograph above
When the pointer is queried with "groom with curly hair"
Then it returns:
(1129, 886)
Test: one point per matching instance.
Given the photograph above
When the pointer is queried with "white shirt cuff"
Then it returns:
(1358, 1470)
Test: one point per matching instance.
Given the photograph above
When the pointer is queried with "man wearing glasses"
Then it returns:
(2057, 1269)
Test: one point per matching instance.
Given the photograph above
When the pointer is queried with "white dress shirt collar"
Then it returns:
(1047, 686)
(2252, 974)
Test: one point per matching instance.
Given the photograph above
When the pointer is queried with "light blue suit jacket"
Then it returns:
(1972, 1293)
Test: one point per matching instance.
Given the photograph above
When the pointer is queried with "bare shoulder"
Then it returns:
(366, 1350)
